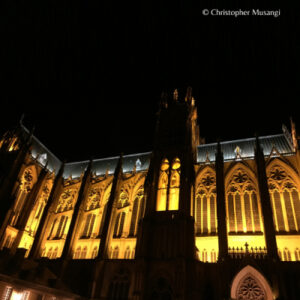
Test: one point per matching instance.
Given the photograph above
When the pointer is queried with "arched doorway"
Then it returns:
(249, 284)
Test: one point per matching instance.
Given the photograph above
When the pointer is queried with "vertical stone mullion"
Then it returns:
(284, 213)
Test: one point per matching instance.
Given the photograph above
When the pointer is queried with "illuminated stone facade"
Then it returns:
(188, 220)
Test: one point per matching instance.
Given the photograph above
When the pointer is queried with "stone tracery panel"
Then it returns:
(285, 199)
(242, 203)
(206, 208)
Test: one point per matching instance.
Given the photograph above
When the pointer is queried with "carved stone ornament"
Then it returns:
(277, 174)
(250, 289)
(28, 176)
(208, 180)
(93, 198)
(240, 177)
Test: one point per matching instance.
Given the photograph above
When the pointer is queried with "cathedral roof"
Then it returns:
(244, 148)
(102, 166)
(237, 149)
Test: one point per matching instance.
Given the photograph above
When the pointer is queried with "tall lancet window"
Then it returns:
(284, 194)
(168, 186)
(173, 203)
(161, 203)
(242, 204)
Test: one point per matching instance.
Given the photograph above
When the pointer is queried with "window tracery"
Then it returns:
(93, 200)
(168, 186)
(66, 201)
(137, 211)
(206, 210)
(285, 200)
(119, 224)
(123, 199)
(250, 289)
(243, 207)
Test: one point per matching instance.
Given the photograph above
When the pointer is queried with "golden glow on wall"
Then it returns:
(207, 248)
(242, 204)
(206, 206)
(27, 181)
(168, 186)
(161, 203)
(288, 247)
(284, 194)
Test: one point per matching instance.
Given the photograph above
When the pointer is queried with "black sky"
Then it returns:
(89, 74)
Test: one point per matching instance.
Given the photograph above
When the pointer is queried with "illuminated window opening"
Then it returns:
(115, 253)
(95, 252)
(286, 255)
(168, 186)
(297, 254)
(161, 203)
(127, 253)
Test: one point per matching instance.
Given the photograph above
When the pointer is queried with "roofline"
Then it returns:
(50, 152)
(243, 140)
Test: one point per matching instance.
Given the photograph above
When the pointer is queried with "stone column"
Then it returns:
(67, 251)
(221, 210)
(105, 235)
(265, 200)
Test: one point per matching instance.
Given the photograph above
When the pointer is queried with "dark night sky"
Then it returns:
(89, 74)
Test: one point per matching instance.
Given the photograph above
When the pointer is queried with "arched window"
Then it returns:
(250, 284)
(133, 253)
(213, 256)
(52, 228)
(43, 254)
(118, 230)
(7, 242)
(95, 252)
(83, 252)
(285, 200)
(49, 254)
(161, 203)
(169, 184)
(243, 207)
(61, 227)
(89, 226)
(115, 254)
(54, 255)
(77, 253)
(297, 254)
(287, 254)
(127, 253)
(205, 206)
(173, 203)
(136, 212)
(204, 255)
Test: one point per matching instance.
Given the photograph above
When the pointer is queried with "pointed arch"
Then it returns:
(284, 186)
(205, 202)
(243, 207)
(234, 168)
(163, 182)
(174, 186)
(284, 165)
(247, 281)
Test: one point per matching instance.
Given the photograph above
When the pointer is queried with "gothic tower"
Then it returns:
(167, 230)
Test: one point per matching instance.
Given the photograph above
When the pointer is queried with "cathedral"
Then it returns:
(189, 220)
